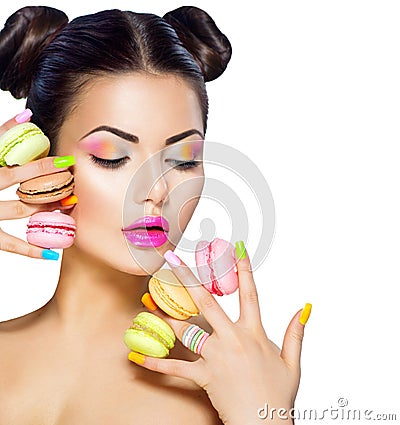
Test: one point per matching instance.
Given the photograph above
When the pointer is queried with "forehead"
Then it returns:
(137, 101)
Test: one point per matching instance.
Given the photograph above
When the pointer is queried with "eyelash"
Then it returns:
(184, 165)
(117, 163)
(108, 163)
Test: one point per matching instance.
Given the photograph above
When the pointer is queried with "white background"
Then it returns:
(312, 96)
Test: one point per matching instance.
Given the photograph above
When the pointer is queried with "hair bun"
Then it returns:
(24, 36)
(202, 38)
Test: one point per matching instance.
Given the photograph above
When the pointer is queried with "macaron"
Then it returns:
(216, 266)
(150, 335)
(23, 143)
(171, 296)
(51, 230)
(48, 188)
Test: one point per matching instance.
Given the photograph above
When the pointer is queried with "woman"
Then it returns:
(114, 90)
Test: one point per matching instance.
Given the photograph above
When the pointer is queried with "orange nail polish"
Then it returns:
(148, 302)
(136, 357)
(69, 200)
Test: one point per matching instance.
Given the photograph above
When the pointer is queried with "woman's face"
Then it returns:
(131, 136)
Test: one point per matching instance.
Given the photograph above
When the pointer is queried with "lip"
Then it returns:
(149, 221)
(138, 233)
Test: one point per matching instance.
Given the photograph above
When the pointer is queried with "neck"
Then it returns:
(90, 292)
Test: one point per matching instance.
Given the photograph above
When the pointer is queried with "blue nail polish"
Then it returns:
(48, 254)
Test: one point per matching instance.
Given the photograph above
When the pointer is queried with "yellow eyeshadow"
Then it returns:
(186, 150)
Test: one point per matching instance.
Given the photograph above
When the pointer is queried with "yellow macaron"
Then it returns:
(171, 296)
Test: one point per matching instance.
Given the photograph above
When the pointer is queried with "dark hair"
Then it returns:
(49, 61)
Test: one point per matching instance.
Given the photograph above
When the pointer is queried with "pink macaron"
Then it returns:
(51, 230)
(216, 265)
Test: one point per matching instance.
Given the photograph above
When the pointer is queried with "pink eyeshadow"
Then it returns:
(97, 146)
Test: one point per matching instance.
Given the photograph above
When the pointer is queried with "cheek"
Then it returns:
(99, 202)
(185, 196)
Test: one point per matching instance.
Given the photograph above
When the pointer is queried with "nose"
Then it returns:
(149, 183)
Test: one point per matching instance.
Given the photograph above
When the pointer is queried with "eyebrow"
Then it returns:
(183, 135)
(134, 139)
(116, 131)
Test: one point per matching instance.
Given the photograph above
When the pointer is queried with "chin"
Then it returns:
(145, 264)
(120, 256)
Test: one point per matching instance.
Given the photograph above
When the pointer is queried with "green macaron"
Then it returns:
(23, 143)
(150, 335)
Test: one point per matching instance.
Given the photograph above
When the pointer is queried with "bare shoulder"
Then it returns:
(13, 325)
(19, 324)
(11, 345)
(14, 333)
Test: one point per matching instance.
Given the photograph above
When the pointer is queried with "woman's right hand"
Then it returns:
(11, 210)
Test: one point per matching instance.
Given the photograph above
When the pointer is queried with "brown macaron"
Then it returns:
(48, 188)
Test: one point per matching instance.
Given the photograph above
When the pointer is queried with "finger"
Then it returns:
(24, 116)
(12, 244)
(193, 339)
(292, 342)
(206, 303)
(40, 167)
(172, 367)
(11, 210)
(248, 297)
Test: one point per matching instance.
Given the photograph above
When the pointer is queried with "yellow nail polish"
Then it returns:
(136, 357)
(69, 200)
(148, 302)
(305, 313)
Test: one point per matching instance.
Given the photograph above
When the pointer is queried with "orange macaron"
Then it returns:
(168, 292)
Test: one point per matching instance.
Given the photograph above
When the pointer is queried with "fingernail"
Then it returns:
(69, 200)
(148, 302)
(240, 250)
(136, 357)
(48, 254)
(23, 116)
(305, 313)
(172, 258)
(64, 161)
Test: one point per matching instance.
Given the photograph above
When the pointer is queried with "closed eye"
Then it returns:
(184, 165)
(109, 163)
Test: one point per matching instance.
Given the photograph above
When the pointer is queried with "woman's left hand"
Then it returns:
(240, 368)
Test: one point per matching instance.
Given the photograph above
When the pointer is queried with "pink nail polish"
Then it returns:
(172, 258)
(23, 116)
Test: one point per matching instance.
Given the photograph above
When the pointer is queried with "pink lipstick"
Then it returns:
(147, 231)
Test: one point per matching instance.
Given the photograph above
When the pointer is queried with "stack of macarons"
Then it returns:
(216, 266)
(168, 293)
(49, 229)
(24, 143)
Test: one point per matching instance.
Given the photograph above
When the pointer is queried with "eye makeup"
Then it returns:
(105, 150)
(185, 150)
(108, 151)
(184, 155)
(103, 147)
